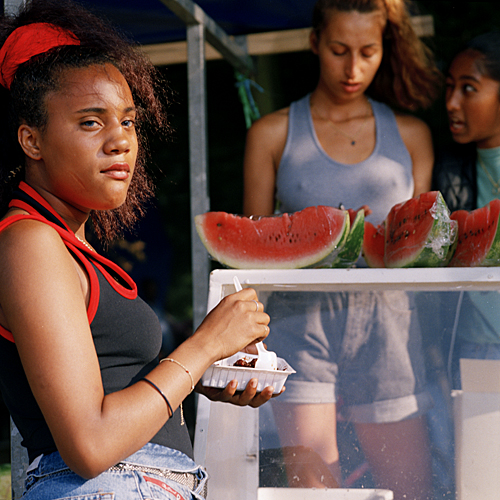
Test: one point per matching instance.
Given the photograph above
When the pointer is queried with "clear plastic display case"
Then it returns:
(240, 446)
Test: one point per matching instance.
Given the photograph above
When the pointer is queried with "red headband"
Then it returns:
(28, 41)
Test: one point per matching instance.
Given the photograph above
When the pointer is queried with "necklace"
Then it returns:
(85, 243)
(352, 138)
(496, 185)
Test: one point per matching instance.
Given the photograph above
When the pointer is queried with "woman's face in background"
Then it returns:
(472, 102)
(350, 51)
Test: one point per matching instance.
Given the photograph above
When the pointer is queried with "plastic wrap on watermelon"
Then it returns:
(444, 232)
(420, 233)
(311, 237)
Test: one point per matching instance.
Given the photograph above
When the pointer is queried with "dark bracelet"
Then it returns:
(161, 394)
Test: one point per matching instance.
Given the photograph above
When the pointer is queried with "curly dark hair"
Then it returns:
(100, 43)
(407, 77)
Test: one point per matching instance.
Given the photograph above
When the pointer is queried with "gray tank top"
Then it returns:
(307, 176)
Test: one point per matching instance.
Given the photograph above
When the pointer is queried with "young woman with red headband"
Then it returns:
(99, 414)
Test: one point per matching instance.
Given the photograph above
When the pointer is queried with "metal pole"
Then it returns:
(198, 161)
(200, 29)
(193, 14)
(10, 7)
(18, 462)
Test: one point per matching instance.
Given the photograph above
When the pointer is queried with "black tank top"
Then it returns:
(126, 333)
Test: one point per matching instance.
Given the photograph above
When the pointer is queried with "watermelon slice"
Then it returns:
(419, 232)
(373, 244)
(309, 238)
(478, 237)
(351, 250)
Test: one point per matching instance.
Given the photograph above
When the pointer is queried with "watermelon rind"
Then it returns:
(492, 258)
(451, 251)
(472, 251)
(328, 261)
(288, 241)
(435, 250)
(350, 252)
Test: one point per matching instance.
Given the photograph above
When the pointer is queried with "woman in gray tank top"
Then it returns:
(337, 145)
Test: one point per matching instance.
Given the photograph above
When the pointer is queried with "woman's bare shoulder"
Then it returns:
(28, 230)
(268, 134)
(274, 122)
(409, 124)
(29, 245)
(414, 131)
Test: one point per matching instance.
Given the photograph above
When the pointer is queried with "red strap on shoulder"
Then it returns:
(81, 252)
(94, 282)
(5, 223)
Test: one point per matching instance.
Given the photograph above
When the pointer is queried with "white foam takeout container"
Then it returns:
(219, 374)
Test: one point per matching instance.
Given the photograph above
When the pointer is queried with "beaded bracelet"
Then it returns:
(184, 368)
(161, 394)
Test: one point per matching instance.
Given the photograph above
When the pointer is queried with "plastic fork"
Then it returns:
(267, 360)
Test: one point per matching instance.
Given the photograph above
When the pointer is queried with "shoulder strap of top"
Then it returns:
(94, 283)
(27, 199)
(299, 122)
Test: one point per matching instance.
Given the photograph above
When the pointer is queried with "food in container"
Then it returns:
(222, 372)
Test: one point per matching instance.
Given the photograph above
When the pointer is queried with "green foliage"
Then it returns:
(5, 482)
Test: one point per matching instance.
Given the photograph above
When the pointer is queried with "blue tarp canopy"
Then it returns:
(150, 21)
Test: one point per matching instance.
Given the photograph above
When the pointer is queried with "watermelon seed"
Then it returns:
(219, 224)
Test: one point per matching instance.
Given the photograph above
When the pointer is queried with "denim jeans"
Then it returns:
(53, 480)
